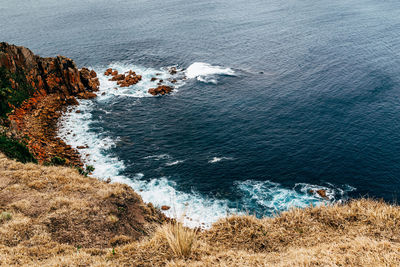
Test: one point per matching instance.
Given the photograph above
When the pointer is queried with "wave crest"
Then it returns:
(205, 72)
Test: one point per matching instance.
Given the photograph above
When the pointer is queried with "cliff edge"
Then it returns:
(33, 93)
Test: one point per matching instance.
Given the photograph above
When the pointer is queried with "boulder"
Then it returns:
(89, 80)
(172, 71)
(162, 89)
(86, 95)
(108, 72)
(322, 193)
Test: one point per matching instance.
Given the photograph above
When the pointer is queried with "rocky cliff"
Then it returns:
(46, 75)
(33, 92)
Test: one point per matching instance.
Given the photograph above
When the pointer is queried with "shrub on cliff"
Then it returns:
(10, 97)
(15, 150)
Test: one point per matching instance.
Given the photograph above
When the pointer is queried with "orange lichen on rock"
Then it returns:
(160, 90)
(123, 80)
(55, 83)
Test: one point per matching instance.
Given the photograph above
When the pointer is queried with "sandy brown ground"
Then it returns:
(52, 216)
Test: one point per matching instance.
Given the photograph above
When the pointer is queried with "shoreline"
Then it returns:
(52, 215)
(38, 119)
(39, 91)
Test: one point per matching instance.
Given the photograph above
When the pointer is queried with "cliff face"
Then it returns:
(46, 75)
(33, 92)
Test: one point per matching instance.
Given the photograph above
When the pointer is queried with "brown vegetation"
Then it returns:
(52, 216)
(56, 205)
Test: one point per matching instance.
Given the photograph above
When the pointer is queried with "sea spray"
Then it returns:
(197, 210)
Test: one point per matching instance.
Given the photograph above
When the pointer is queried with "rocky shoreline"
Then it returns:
(35, 91)
(48, 86)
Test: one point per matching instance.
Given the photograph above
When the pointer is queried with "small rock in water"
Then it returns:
(164, 207)
(163, 89)
(172, 71)
(322, 193)
(108, 72)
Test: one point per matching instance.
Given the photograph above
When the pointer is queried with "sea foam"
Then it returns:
(193, 208)
(205, 72)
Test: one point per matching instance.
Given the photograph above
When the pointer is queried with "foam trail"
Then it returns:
(269, 197)
(218, 159)
(176, 162)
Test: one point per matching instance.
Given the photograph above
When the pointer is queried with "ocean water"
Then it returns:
(279, 98)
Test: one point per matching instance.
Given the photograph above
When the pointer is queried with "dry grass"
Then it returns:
(55, 217)
(181, 240)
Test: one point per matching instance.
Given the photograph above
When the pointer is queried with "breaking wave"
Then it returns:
(207, 73)
(195, 209)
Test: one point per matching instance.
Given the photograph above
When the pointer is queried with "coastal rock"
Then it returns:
(322, 193)
(86, 95)
(45, 75)
(160, 90)
(108, 72)
(89, 79)
(48, 85)
(165, 207)
(71, 101)
(124, 80)
(173, 71)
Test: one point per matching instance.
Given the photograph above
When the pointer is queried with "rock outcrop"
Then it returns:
(160, 90)
(46, 75)
(34, 91)
(123, 80)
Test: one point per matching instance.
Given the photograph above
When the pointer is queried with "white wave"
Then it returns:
(75, 130)
(218, 159)
(176, 162)
(274, 197)
(192, 208)
(205, 72)
(195, 209)
(158, 157)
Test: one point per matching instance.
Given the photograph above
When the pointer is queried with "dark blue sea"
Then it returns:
(274, 99)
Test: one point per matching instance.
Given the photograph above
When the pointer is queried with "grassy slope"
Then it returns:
(59, 218)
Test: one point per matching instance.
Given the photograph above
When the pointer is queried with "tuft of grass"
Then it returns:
(15, 150)
(113, 219)
(181, 240)
(5, 216)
